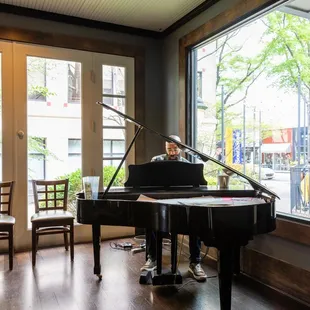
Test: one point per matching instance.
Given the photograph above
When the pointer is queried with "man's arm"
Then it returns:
(158, 158)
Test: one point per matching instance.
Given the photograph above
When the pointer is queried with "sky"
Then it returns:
(278, 107)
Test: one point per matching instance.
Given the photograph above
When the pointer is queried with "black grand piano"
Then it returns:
(223, 218)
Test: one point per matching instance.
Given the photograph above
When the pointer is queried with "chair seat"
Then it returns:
(42, 216)
(52, 229)
(7, 219)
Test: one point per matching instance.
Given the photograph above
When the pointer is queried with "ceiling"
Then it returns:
(303, 5)
(154, 15)
(298, 7)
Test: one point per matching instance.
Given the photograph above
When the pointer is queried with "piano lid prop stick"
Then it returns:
(122, 161)
(188, 149)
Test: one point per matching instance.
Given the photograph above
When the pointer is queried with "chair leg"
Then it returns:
(37, 243)
(66, 241)
(34, 245)
(11, 248)
(72, 241)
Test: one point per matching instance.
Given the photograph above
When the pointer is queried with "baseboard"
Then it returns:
(280, 275)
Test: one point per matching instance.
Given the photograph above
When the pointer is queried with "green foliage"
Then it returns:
(75, 183)
(40, 91)
(108, 172)
(288, 48)
(37, 145)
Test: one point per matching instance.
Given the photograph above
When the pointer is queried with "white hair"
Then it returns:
(176, 138)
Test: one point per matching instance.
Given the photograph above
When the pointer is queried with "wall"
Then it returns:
(153, 64)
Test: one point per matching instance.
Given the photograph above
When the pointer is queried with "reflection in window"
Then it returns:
(74, 82)
(36, 158)
(74, 154)
(113, 151)
(36, 78)
(199, 84)
(113, 80)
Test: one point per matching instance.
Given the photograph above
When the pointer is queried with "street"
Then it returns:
(280, 184)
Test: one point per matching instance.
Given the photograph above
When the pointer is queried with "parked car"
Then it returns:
(266, 172)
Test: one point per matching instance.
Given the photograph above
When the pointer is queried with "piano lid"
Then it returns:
(195, 153)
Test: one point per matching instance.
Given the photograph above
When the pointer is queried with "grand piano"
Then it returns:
(183, 204)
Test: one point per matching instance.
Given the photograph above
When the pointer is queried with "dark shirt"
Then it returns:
(165, 157)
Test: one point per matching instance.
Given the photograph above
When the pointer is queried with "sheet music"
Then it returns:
(145, 198)
(213, 201)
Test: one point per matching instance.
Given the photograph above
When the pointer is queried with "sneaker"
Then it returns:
(198, 273)
(149, 265)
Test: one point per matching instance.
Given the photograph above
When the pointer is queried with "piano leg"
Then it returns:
(162, 277)
(237, 261)
(96, 247)
(174, 249)
(225, 274)
(159, 251)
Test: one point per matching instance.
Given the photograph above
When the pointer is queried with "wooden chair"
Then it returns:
(7, 221)
(51, 217)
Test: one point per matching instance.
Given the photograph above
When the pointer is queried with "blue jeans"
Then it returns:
(194, 246)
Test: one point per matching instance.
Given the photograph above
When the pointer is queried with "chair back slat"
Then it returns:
(6, 194)
(50, 195)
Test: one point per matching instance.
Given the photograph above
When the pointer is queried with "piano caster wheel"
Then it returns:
(99, 277)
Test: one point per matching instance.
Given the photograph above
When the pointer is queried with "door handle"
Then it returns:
(20, 134)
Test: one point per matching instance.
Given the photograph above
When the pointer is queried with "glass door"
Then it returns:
(59, 131)
(51, 87)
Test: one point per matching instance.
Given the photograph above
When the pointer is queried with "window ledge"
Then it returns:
(293, 229)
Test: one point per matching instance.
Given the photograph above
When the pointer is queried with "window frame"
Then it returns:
(226, 21)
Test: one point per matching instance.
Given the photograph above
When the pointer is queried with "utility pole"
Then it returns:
(254, 139)
(259, 146)
(223, 128)
(243, 138)
(305, 135)
(298, 122)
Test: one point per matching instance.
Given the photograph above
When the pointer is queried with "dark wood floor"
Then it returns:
(56, 283)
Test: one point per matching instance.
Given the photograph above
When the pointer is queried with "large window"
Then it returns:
(250, 105)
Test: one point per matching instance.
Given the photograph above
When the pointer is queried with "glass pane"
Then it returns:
(52, 122)
(113, 148)
(109, 168)
(112, 135)
(36, 166)
(266, 136)
(74, 162)
(113, 80)
(74, 82)
(107, 147)
(74, 146)
(118, 147)
(109, 117)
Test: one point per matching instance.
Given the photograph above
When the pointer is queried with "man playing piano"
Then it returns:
(173, 152)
